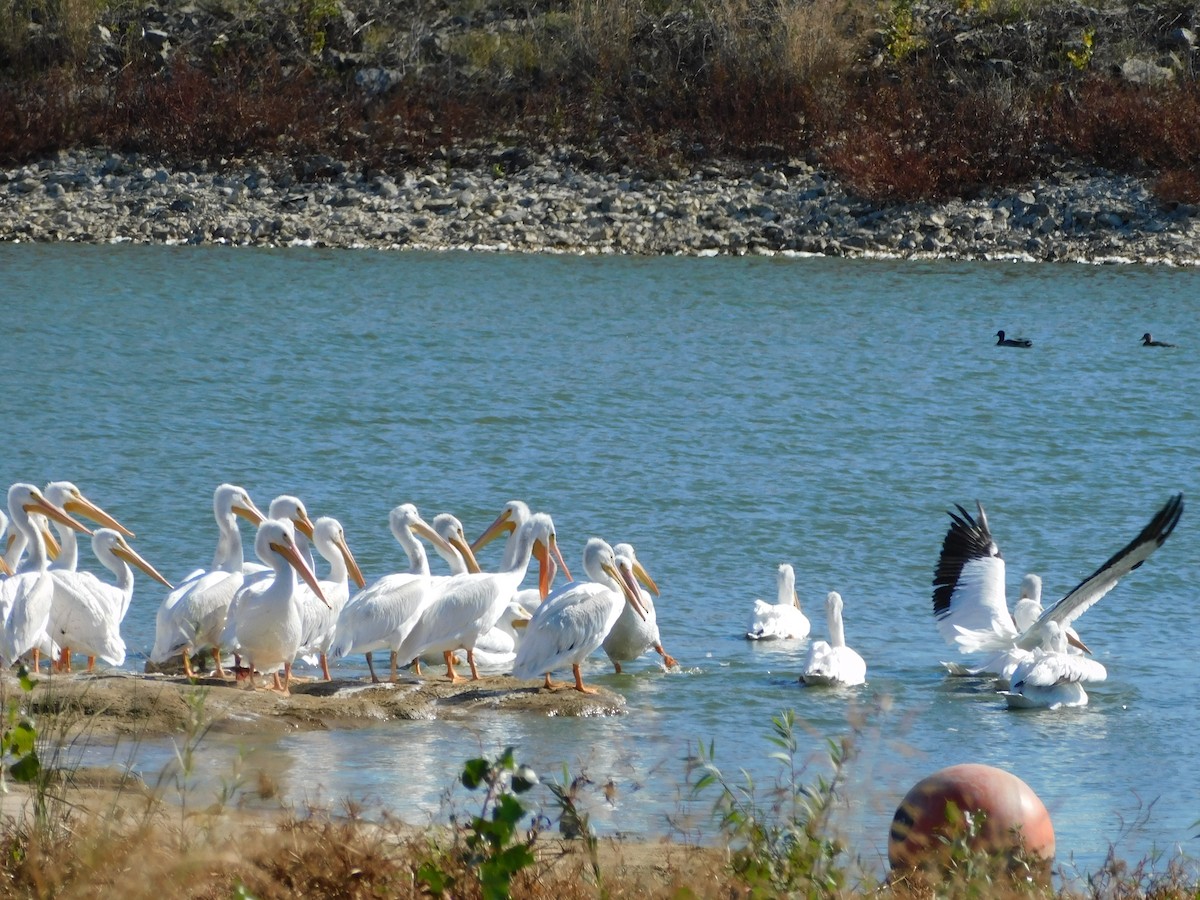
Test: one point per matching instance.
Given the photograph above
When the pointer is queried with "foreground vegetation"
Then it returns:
(64, 833)
(902, 100)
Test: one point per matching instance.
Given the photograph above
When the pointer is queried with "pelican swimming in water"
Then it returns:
(265, 622)
(467, 606)
(192, 617)
(73, 608)
(833, 663)
(320, 618)
(1052, 676)
(382, 615)
(968, 585)
(573, 621)
(634, 634)
(89, 620)
(25, 597)
(783, 619)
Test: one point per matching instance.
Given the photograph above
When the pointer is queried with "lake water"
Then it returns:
(723, 415)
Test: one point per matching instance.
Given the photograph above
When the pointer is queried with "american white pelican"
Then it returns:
(497, 647)
(25, 597)
(466, 606)
(968, 592)
(382, 615)
(1052, 676)
(833, 663)
(634, 634)
(320, 619)
(265, 621)
(64, 615)
(87, 612)
(192, 617)
(573, 621)
(782, 619)
(515, 514)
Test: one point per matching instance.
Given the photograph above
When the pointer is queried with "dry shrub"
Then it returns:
(917, 139)
(819, 39)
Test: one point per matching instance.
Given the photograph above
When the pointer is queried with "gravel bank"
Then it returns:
(560, 202)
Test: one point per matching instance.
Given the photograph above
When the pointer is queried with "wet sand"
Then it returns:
(125, 703)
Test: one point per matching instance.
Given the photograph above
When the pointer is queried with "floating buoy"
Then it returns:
(1013, 816)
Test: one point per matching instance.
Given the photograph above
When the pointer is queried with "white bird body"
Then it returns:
(467, 606)
(87, 613)
(319, 620)
(26, 597)
(783, 619)
(968, 596)
(1052, 677)
(193, 616)
(572, 622)
(383, 614)
(834, 663)
(266, 623)
(634, 634)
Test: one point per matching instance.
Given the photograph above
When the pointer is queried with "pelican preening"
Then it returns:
(573, 621)
(968, 593)
(832, 662)
(782, 619)
(634, 633)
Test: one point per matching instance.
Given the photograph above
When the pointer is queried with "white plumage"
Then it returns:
(382, 615)
(319, 619)
(968, 595)
(192, 617)
(265, 622)
(467, 606)
(834, 663)
(1052, 677)
(25, 597)
(633, 633)
(573, 621)
(782, 619)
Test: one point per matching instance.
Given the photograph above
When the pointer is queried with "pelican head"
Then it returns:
(330, 530)
(114, 542)
(71, 498)
(513, 516)
(285, 506)
(451, 529)
(618, 567)
(25, 500)
(639, 572)
(405, 519)
(277, 538)
(231, 499)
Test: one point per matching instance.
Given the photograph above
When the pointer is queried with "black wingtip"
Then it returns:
(967, 538)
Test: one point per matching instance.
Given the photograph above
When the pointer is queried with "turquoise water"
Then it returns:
(723, 415)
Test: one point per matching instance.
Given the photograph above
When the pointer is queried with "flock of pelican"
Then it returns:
(1036, 658)
(267, 614)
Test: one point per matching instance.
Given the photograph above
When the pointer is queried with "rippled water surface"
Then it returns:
(723, 415)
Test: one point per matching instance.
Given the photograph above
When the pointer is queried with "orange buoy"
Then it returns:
(1013, 816)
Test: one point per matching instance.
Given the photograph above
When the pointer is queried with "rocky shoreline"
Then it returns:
(512, 199)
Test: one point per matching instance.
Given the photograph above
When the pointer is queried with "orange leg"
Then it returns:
(371, 667)
(64, 660)
(668, 659)
(471, 663)
(216, 652)
(579, 681)
(454, 677)
(416, 666)
(551, 685)
(325, 667)
(187, 662)
(91, 664)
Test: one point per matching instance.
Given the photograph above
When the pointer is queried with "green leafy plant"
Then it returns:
(781, 846)
(19, 739)
(494, 846)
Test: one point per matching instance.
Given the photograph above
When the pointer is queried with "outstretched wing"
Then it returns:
(1105, 578)
(968, 583)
